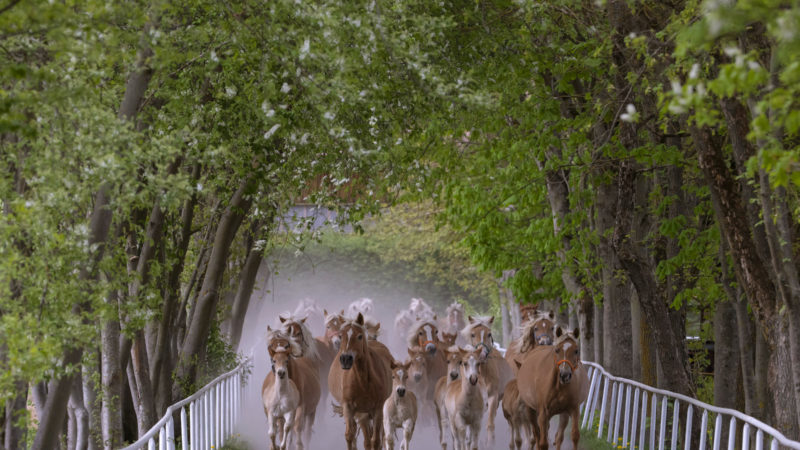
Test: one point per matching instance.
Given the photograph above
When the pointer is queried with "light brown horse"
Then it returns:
(536, 331)
(400, 409)
(495, 373)
(464, 401)
(448, 339)
(361, 382)
(280, 396)
(527, 312)
(453, 357)
(425, 335)
(553, 381)
(303, 372)
(520, 417)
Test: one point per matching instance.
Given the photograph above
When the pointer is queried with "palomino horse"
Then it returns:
(495, 373)
(453, 320)
(373, 327)
(536, 331)
(453, 357)
(362, 306)
(425, 335)
(296, 328)
(361, 382)
(527, 312)
(280, 396)
(303, 373)
(520, 417)
(400, 409)
(464, 401)
(553, 381)
(448, 339)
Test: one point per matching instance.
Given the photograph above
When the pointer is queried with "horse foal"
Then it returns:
(280, 398)
(400, 409)
(465, 403)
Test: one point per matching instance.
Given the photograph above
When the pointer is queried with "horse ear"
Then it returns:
(551, 315)
(559, 331)
(393, 364)
(434, 317)
(491, 319)
(360, 319)
(377, 326)
(577, 333)
(269, 328)
(471, 320)
(410, 352)
(303, 320)
(519, 364)
(282, 319)
(324, 312)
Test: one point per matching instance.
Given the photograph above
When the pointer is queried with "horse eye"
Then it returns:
(473, 334)
(360, 336)
(490, 334)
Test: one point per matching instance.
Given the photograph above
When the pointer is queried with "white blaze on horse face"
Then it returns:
(471, 369)
(349, 335)
(428, 332)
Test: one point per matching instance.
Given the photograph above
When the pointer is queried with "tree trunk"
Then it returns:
(203, 311)
(112, 381)
(90, 403)
(763, 357)
(14, 409)
(636, 336)
(247, 281)
(726, 359)
(651, 296)
(79, 416)
(52, 419)
(598, 333)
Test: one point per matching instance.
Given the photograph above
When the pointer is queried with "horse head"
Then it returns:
(277, 340)
(417, 364)
(400, 377)
(470, 361)
(538, 331)
(479, 334)
(449, 339)
(424, 334)
(297, 330)
(453, 357)
(527, 312)
(567, 350)
(354, 342)
(333, 324)
(454, 316)
(373, 328)
(279, 357)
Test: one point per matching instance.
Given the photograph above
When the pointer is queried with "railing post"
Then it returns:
(653, 420)
(746, 436)
(676, 411)
(687, 440)
(617, 419)
(611, 411)
(704, 430)
(184, 428)
(634, 418)
(603, 409)
(717, 431)
(732, 434)
(588, 407)
(170, 431)
(643, 427)
(662, 434)
(626, 428)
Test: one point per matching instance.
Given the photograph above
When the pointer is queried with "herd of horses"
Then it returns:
(451, 377)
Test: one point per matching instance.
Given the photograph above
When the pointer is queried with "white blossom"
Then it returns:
(272, 131)
(630, 114)
(230, 91)
(285, 88)
(305, 48)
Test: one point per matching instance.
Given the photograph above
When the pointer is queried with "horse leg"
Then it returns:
(349, 427)
(563, 419)
(299, 422)
(441, 426)
(408, 431)
(512, 423)
(544, 429)
(576, 431)
(271, 430)
(388, 434)
(288, 422)
(377, 429)
(493, 401)
(309, 425)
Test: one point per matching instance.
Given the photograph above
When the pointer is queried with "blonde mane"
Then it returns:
(476, 322)
(294, 348)
(308, 345)
(411, 338)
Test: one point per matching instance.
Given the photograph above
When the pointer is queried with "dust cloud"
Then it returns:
(333, 288)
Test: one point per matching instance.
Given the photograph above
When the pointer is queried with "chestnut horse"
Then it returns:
(425, 335)
(464, 401)
(521, 419)
(453, 320)
(536, 331)
(552, 381)
(303, 372)
(453, 357)
(495, 373)
(361, 382)
(280, 396)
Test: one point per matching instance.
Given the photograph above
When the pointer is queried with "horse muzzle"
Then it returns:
(473, 380)
(430, 348)
(453, 376)
(281, 373)
(565, 376)
(337, 341)
(401, 392)
(545, 340)
(417, 377)
(346, 360)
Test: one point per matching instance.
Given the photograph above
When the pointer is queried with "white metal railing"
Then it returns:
(211, 417)
(626, 412)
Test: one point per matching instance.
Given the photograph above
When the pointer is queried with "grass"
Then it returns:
(235, 443)
(590, 441)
